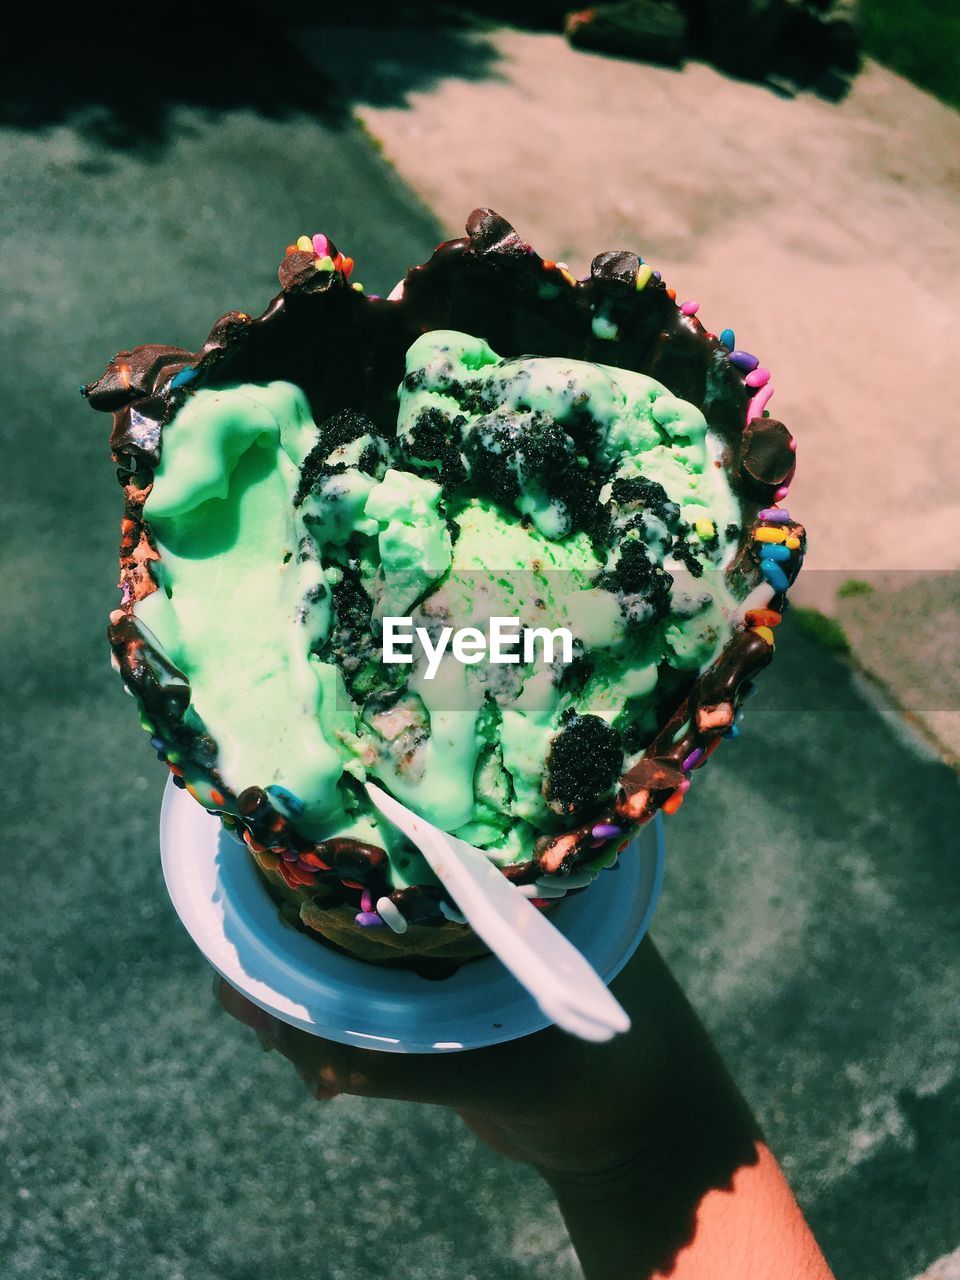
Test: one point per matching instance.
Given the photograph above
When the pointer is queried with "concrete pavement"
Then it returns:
(810, 905)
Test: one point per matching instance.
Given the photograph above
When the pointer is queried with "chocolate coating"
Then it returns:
(766, 458)
(617, 266)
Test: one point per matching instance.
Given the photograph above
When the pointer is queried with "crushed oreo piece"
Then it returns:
(434, 446)
(637, 492)
(686, 553)
(583, 764)
(349, 644)
(635, 574)
(340, 429)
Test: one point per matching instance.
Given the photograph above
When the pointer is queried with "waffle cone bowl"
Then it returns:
(497, 435)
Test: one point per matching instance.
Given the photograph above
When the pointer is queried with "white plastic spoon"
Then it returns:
(564, 985)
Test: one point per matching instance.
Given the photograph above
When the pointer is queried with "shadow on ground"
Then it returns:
(381, 66)
(119, 77)
(915, 1180)
(122, 80)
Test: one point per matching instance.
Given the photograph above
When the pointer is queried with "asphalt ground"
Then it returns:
(810, 908)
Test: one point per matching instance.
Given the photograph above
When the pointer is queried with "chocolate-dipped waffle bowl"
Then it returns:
(502, 359)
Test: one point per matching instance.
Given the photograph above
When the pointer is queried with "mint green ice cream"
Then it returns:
(553, 491)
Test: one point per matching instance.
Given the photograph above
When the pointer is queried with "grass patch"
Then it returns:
(918, 38)
(371, 137)
(854, 587)
(826, 631)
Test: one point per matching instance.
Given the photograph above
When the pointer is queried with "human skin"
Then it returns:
(659, 1169)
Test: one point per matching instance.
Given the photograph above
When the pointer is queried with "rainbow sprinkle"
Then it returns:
(320, 247)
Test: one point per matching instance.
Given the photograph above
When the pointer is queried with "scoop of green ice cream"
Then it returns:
(553, 492)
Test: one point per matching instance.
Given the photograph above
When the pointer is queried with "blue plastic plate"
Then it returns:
(228, 913)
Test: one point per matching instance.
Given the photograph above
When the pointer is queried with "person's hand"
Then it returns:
(569, 1108)
(642, 1139)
